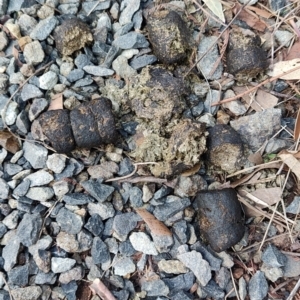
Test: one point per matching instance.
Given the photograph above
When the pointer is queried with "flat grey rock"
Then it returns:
(255, 129)
(3, 7)
(181, 282)
(122, 68)
(213, 290)
(29, 229)
(10, 253)
(56, 162)
(104, 210)
(59, 264)
(48, 80)
(18, 275)
(128, 8)
(200, 267)
(27, 24)
(37, 107)
(39, 178)
(30, 91)
(131, 40)
(75, 75)
(258, 286)
(124, 223)
(40, 193)
(77, 199)
(95, 5)
(76, 273)
(4, 189)
(85, 240)
(29, 292)
(293, 208)
(207, 63)
(94, 225)
(98, 71)
(142, 61)
(170, 207)
(43, 28)
(45, 278)
(69, 221)
(100, 253)
(273, 257)
(292, 267)
(11, 220)
(140, 241)
(155, 288)
(124, 266)
(99, 191)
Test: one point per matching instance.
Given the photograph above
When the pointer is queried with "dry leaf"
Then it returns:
(285, 66)
(268, 195)
(216, 7)
(255, 158)
(156, 227)
(261, 12)
(251, 19)
(194, 170)
(98, 287)
(264, 100)
(291, 162)
(56, 102)
(294, 51)
(9, 142)
(297, 126)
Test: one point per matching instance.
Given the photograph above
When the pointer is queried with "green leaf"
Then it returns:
(216, 7)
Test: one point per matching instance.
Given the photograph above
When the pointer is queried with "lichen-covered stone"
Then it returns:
(72, 35)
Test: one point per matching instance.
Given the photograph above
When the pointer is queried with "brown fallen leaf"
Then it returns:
(98, 287)
(256, 158)
(297, 126)
(191, 171)
(156, 227)
(56, 102)
(294, 51)
(250, 18)
(264, 100)
(268, 195)
(9, 142)
(283, 67)
(291, 162)
(260, 12)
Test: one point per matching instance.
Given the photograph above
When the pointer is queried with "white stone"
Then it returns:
(141, 242)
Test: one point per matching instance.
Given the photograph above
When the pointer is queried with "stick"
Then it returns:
(256, 87)
(294, 291)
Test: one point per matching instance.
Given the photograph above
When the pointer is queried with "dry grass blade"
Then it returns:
(98, 287)
(297, 127)
(156, 227)
(294, 291)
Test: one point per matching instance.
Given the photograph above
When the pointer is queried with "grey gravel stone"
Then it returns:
(272, 274)
(200, 267)
(82, 60)
(100, 252)
(213, 96)
(141, 242)
(45, 278)
(39, 178)
(85, 240)
(34, 53)
(94, 225)
(181, 282)
(213, 290)
(136, 197)
(11, 220)
(3, 7)
(207, 63)
(98, 71)
(10, 253)
(29, 292)
(122, 68)
(128, 8)
(292, 267)
(255, 129)
(99, 191)
(76, 273)
(163, 243)
(124, 266)
(30, 91)
(131, 40)
(170, 207)
(67, 242)
(38, 106)
(4, 189)
(40, 193)
(277, 5)
(18, 275)
(172, 266)
(77, 199)
(155, 288)
(59, 265)
(27, 24)
(242, 288)
(95, 5)
(11, 113)
(22, 122)
(75, 75)
(42, 259)
(273, 257)
(69, 221)
(43, 29)
(36, 155)
(12, 169)
(293, 208)
(56, 162)
(3, 230)
(104, 210)
(29, 229)
(142, 61)
(48, 80)
(258, 286)
(124, 223)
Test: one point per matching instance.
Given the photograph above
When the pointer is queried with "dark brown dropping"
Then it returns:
(245, 56)
(225, 148)
(220, 218)
(169, 36)
(57, 128)
(72, 35)
(93, 123)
